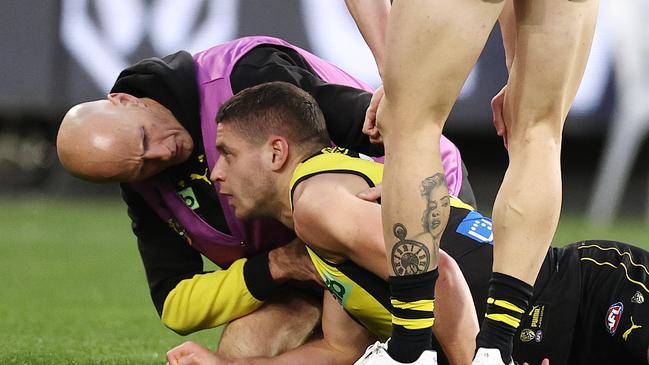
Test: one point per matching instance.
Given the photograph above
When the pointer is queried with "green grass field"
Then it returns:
(74, 290)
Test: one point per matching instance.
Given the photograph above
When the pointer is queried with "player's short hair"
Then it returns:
(275, 108)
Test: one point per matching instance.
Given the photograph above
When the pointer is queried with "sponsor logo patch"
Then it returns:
(477, 227)
(189, 198)
(202, 177)
(339, 290)
(536, 313)
(538, 336)
(613, 317)
(626, 333)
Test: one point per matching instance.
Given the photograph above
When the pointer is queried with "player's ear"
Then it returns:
(123, 98)
(278, 152)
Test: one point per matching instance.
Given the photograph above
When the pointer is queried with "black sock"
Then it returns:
(413, 301)
(507, 302)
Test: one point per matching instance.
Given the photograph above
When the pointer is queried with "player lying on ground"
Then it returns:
(587, 307)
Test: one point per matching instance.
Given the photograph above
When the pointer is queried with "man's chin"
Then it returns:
(242, 216)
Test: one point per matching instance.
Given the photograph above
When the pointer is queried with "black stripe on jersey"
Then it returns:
(411, 314)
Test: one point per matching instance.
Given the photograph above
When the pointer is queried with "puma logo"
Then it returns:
(201, 177)
(628, 332)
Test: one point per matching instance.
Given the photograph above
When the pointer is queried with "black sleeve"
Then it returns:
(167, 258)
(343, 106)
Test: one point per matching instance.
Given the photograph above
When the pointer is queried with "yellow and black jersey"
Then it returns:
(365, 296)
(588, 307)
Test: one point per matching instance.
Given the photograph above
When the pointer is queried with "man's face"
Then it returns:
(158, 143)
(242, 176)
(122, 138)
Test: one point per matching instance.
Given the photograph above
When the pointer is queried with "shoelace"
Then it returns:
(374, 349)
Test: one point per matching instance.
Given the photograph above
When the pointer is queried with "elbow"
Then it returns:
(176, 316)
(177, 324)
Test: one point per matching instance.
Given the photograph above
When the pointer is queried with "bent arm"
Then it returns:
(343, 341)
(187, 298)
(352, 234)
(356, 234)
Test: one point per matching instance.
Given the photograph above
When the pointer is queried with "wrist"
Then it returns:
(275, 268)
(258, 277)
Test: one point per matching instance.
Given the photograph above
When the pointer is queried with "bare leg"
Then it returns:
(287, 320)
(552, 44)
(431, 47)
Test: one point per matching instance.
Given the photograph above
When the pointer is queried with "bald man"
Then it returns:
(155, 135)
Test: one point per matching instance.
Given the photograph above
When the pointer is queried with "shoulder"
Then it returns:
(316, 199)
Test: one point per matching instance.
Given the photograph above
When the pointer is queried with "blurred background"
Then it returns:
(58, 53)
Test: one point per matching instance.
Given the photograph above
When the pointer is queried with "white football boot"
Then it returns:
(377, 354)
(488, 357)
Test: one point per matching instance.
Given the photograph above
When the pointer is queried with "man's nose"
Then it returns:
(159, 152)
(217, 172)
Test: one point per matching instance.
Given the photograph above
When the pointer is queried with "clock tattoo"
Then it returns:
(408, 257)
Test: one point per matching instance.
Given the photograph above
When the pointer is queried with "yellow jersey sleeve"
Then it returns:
(209, 300)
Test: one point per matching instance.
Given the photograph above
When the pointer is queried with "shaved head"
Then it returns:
(120, 139)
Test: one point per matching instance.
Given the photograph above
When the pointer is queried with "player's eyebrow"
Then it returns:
(221, 147)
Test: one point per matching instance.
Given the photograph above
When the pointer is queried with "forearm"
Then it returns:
(456, 324)
(314, 353)
(371, 17)
(507, 21)
(212, 299)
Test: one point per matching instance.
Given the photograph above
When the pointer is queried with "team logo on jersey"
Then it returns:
(477, 227)
(637, 298)
(613, 317)
(527, 335)
(190, 199)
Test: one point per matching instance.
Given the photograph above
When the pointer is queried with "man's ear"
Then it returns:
(279, 150)
(123, 99)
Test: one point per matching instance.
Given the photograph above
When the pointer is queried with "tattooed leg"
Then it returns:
(435, 193)
(413, 261)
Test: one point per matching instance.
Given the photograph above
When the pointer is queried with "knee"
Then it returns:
(284, 322)
(408, 120)
(540, 136)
